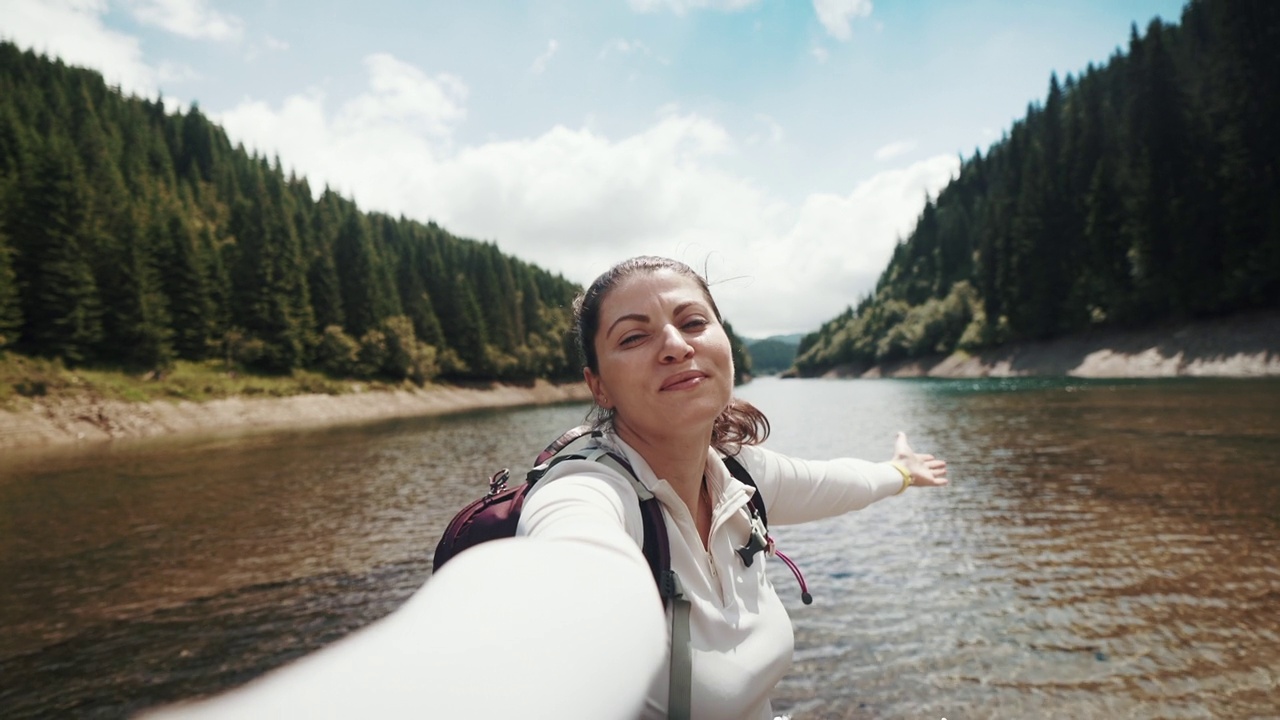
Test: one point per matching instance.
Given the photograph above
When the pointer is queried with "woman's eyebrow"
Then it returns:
(641, 317)
(633, 316)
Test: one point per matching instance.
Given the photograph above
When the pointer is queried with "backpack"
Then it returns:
(497, 514)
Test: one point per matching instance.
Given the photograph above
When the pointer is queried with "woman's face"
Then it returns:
(664, 363)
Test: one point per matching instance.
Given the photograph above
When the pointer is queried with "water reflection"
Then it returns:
(1106, 549)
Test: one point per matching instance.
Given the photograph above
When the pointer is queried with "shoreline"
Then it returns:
(1243, 346)
(1239, 346)
(82, 420)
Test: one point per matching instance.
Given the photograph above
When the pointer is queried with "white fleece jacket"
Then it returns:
(741, 634)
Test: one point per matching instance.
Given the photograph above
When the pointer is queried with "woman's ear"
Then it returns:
(597, 391)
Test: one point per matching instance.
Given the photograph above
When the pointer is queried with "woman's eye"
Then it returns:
(630, 339)
(695, 324)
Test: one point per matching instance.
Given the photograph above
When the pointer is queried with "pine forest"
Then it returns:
(1143, 191)
(131, 237)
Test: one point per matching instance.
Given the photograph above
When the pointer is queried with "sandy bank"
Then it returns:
(87, 419)
(1240, 346)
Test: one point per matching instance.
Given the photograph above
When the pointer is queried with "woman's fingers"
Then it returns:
(901, 447)
(925, 468)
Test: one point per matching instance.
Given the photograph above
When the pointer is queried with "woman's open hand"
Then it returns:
(926, 470)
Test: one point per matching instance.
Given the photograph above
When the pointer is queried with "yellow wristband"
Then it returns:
(906, 476)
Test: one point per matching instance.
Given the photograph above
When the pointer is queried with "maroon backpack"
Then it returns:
(497, 514)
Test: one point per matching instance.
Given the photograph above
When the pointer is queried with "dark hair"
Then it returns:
(740, 423)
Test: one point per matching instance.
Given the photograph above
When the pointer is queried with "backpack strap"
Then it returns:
(680, 683)
(656, 547)
(657, 551)
(740, 473)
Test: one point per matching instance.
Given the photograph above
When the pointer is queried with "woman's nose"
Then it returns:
(674, 345)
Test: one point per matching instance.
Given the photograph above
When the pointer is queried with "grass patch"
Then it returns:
(26, 378)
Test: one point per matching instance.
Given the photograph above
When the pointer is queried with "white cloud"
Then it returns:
(894, 149)
(188, 18)
(269, 43)
(837, 246)
(404, 98)
(835, 15)
(576, 201)
(540, 62)
(680, 7)
(820, 54)
(73, 31)
(773, 131)
(622, 46)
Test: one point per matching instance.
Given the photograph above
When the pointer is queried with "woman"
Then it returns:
(660, 370)
(659, 366)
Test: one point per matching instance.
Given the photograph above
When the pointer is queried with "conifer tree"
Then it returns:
(362, 293)
(414, 298)
(61, 309)
(322, 271)
(187, 286)
(135, 318)
(463, 324)
(269, 283)
(10, 307)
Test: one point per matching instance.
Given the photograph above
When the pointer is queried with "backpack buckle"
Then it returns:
(498, 482)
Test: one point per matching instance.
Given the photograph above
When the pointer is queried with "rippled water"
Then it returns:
(1106, 549)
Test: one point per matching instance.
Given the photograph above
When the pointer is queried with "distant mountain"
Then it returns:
(772, 355)
(792, 339)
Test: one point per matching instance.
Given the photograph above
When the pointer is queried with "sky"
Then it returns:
(780, 147)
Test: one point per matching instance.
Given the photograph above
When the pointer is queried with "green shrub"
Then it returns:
(337, 353)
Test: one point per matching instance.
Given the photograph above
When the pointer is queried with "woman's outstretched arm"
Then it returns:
(521, 627)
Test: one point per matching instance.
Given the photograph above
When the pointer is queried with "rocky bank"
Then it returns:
(1239, 346)
(85, 418)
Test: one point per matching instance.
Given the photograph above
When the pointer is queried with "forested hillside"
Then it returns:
(130, 237)
(1144, 190)
(772, 355)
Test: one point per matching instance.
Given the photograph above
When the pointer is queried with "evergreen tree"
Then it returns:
(269, 296)
(362, 295)
(61, 309)
(741, 356)
(135, 318)
(414, 298)
(1244, 111)
(322, 271)
(187, 286)
(196, 160)
(463, 324)
(10, 307)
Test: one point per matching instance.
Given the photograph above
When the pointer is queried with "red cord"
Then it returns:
(804, 589)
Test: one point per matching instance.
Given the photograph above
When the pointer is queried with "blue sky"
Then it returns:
(782, 146)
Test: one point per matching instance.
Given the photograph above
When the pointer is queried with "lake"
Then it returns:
(1106, 548)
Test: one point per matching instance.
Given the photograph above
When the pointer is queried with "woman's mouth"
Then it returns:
(683, 381)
